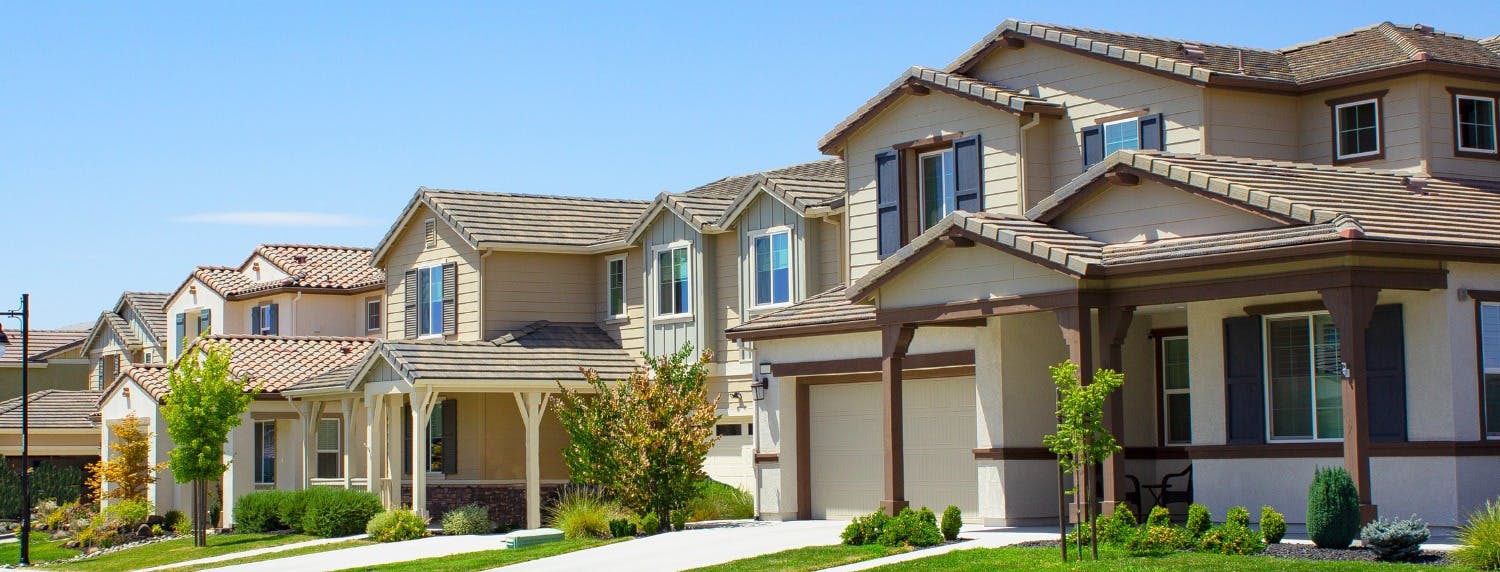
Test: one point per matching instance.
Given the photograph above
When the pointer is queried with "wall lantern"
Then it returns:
(762, 382)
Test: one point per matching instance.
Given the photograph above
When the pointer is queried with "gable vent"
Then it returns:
(429, 232)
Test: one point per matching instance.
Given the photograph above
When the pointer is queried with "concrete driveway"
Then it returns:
(693, 547)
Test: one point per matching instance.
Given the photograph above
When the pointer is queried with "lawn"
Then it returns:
(277, 555)
(486, 559)
(178, 550)
(988, 559)
(41, 550)
(802, 559)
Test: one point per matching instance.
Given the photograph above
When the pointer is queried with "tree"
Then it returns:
(204, 405)
(1082, 441)
(644, 438)
(129, 469)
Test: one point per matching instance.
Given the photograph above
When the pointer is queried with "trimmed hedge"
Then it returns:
(317, 511)
(1332, 508)
(259, 512)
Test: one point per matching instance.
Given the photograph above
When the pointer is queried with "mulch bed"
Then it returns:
(1296, 551)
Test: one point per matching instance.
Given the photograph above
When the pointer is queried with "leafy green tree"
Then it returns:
(643, 438)
(205, 404)
(1082, 441)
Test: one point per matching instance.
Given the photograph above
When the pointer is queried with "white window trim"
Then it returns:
(1104, 129)
(421, 336)
(922, 191)
(1166, 412)
(1494, 129)
(656, 282)
(338, 449)
(791, 269)
(1338, 129)
(379, 316)
(275, 454)
(624, 287)
(1265, 350)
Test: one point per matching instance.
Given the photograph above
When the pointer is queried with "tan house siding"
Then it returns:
(1250, 124)
(663, 337)
(408, 251)
(828, 235)
(523, 287)
(1152, 211)
(630, 331)
(969, 274)
(73, 375)
(1401, 118)
(492, 444)
(1440, 123)
(727, 282)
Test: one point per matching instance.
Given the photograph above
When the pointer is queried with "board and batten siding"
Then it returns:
(829, 238)
(664, 338)
(409, 251)
(628, 331)
(1250, 124)
(523, 287)
(1153, 211)
(1401, 118)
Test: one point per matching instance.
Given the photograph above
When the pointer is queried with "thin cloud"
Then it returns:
(274, 218)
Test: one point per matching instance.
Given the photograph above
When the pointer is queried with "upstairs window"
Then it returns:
(430, 301)
(372, 314)
(1475, 123)
(615, 289)
(673, 281)
(772, 278)
(938, 186)
(949, 176)
(1356, 128)
(264, 321)
(1112, 134)
(1122, 134)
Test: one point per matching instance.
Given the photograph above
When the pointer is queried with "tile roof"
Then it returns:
(487, 219)
(121, 328)
(714, 205)
(947, 81)
(151, 377)
(828, 308)
(1190, 246)
(43, 343)
(344, 268)
(152, 307)
(541, 352)
(52, 409)
(274, 363)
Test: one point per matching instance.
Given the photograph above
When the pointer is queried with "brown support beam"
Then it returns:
(1076, 324)
(1351, 308)
(804, 452)
(895, 340)
(1113, 323)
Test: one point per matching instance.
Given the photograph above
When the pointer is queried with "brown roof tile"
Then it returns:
(52, 409)
(152, 307)
(945, 80)
(151, 377)
(43, 342)
(543, 352)
(521, 219)
(829, 308)
(274, 363)
(307, 267)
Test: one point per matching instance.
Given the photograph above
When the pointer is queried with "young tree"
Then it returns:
(644, 438)
(204, 406)
(1082, 441)
(129, 469)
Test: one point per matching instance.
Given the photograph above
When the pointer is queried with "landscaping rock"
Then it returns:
(1301, 551)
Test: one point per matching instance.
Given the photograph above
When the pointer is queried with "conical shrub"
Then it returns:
(1332, 508)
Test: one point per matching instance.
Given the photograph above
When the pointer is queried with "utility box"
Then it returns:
(524, 538)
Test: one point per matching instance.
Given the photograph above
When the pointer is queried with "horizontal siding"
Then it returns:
(1246, 124)
(409, 251)
(829, 238)
(630, 332)
(727, 290)
(956, 274)
(1400, 115)
(1440, 124)
(1153, 211)
(523, 287)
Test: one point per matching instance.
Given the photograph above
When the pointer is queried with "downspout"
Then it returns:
(294, 312)
(483, 327)
(1036, 118)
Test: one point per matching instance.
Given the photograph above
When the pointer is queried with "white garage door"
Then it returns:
(846, 438)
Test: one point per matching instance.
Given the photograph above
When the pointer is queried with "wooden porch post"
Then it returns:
(374, 442)
(346, 416)
(895, 340)
(1351, 308)
(1113, 323)
(311, 412)
(533, 405)
(1077, 327)
(423, 400)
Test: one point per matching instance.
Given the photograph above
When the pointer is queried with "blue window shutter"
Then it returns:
(888, 201)
(255, 320)
(205, 322)
(1152, 137)
(1093, 145)
(1385, 363)
(968, 167)
(1244, 381)
(182, 340)
(274, 318)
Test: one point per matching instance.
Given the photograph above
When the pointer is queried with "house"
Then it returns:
(1290, 254)
(56, 362)
(134, 332)
(57, 377)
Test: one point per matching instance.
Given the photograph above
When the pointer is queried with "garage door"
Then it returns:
(845, 445)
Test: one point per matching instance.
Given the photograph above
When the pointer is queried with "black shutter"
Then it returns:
(450, 298)
(1152, 136)
(450, 436)
(1093, 145)
(410, 317)
(888, 201)
(255, 325)
(406, 432)
(968, 167)
(1244, 382)
(1385, 363)
(275, 321)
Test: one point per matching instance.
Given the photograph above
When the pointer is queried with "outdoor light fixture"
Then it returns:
(25, 315)
(762, 382)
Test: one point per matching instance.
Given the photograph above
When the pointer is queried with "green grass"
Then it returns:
(41, 550)
(179, 550)
(278, 555)
(988, 559)
(802, 559)
(486, 559)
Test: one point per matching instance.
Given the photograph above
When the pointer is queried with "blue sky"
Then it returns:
(139, 141)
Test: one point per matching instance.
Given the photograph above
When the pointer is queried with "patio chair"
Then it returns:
(1175, 493)
(1133, 495)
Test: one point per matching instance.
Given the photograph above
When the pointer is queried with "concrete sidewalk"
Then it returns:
(973, 536)
(386, 553)
(255, 552)
(692, 548)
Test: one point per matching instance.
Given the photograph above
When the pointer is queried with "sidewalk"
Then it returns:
(386, 553)
(692, 548)
(256, 552)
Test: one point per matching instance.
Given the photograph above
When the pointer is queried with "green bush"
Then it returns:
(65, 516)
(396, 526)
(291, 506)
(176, 521)
(1198, 520)
(1397, 540)
(1332, 508)
(128, 513)
(1272, 525)
(1118, 527)
(953, 519)
(650, 523)
(1238, 516)
(1479, 539)
(583, 513)
(1157, 541)
(468, 519)
(1231, 540)
(911, 528)
(715, 500)
(1159, 516)
(679, 519)
(866, 529)
(339, 512)
(621, 528)
(258, 512)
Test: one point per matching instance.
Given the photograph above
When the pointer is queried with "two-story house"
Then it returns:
(60, 430)
(134, 332)
(1290, 254)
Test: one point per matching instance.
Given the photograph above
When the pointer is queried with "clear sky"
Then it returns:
(139, 140)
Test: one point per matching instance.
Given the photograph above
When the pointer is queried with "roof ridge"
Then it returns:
(1402, 42)
(763, 173)
(314, 246)
(288, 338)
(529, 195)
(1061, 27)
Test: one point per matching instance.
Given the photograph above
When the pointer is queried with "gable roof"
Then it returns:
(1381, 48)
(541, 352)
(307, 267)
(153, 378)
(830, 310)
(714, 206)
(152, 306)
(52, 409)
(274, 363)
(43, 344)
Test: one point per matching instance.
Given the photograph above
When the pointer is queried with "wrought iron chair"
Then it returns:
(1173, 494)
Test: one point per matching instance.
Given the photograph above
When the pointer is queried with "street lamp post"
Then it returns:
(25, 314)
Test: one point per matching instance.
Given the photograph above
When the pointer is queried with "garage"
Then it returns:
(845, 443)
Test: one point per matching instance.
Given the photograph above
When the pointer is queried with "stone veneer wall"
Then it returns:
(507, 503)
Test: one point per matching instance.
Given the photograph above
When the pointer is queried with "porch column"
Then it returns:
(1351, 308)
(422, 402)
(1113, 323)
(346, 418)
(532, 406)
(374, 442)
(895, 340)
(1077, 327)
(311, 412)
(393, 441)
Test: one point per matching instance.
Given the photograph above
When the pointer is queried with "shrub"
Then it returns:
(679, 519)
(1238, 516)
(910, 528)
(60, 518)
(715, 500)
(583, 513)
(621, 528)
(650, 523)
(1479, 539)
(47, 481)
(1119, 527)
(1159, 516)
(339, 512)
(953, 519)
(1231, 539)
(1332, 508)
(176, 521)
(468, 519)
(1272, 525)
(258, 512)
(396, 526)
(291, 506)
(1198, 520)
(1157, 541)
(1396, 540)
(128, 514)
(865, 529)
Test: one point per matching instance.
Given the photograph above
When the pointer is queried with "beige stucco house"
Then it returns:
(1291, 254)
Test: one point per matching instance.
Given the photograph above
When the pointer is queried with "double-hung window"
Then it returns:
(430, 301)
(1303, 377)
(330, 452)
(772, 276)
(615, 284)
(1489, 333)
(673, 281)
(1356, 129)
(372, 314)
(939, 186)
(1176, 400)
(265, 452)
(1474, 117)
(1137, 130)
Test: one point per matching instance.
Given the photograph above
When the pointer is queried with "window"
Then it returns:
(1122, 134)
(430, 301)
(1176, 401)
(330, 453)
(771, 280)
(728, 430)
(435, 437)
(938, 186)
(1475, 117)
(673, 281)
(263, 320)
(1127, 131)
(1489, 332)
(372, 314)
(1356, 129)
(1303, 377)
(265, 452)
(615, 295)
